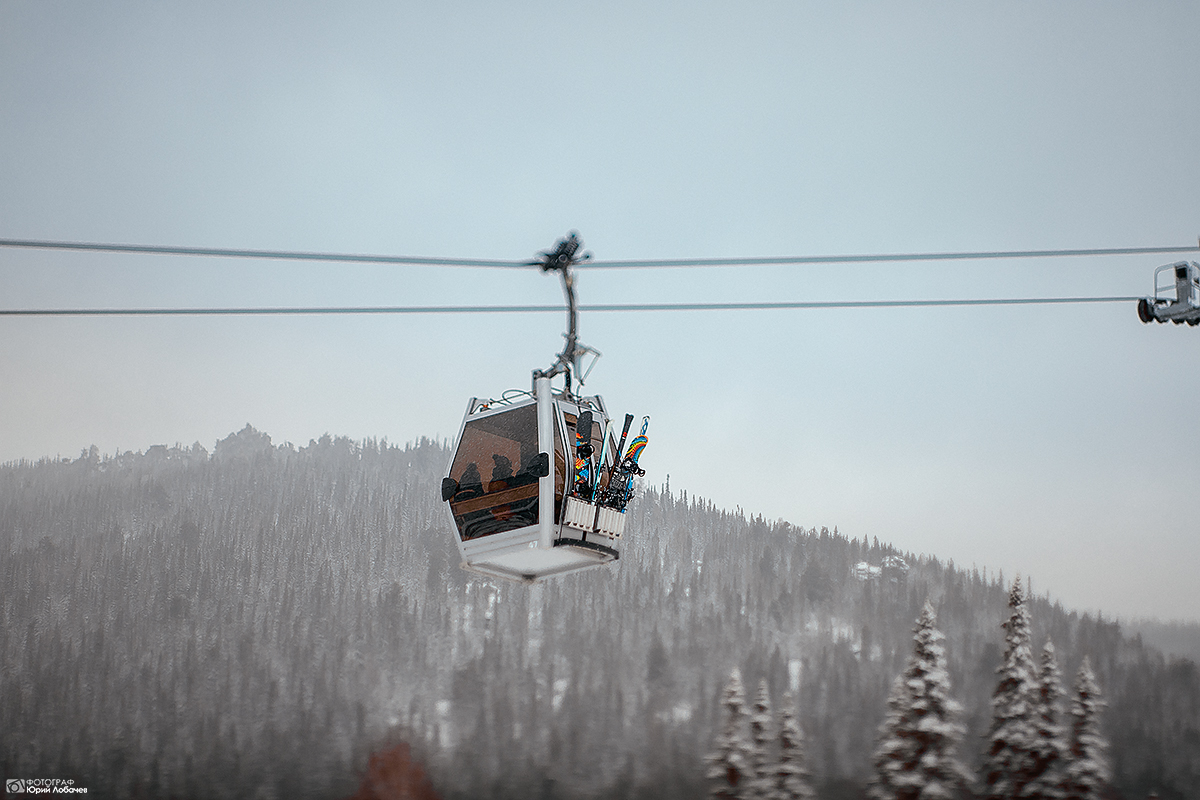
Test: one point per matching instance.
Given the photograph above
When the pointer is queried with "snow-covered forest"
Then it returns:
(257, 621)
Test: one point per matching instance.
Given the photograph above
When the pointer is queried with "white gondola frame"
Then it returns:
(1185, 307)
(549, 547)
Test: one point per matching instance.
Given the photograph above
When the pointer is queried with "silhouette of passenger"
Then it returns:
(471, 484)
(502, 473)
(503, 468)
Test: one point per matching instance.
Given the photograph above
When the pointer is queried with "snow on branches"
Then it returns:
(915, 757)
(1048, 749)
(762, 784)
(1087, 770)
(1028, 757)
(1008, 763)
(792, 779)
(746, 764)
(729, 763)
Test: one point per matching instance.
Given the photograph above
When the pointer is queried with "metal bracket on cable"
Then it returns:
(564, 256)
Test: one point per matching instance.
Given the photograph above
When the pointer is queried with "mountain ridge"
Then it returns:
(273, 613)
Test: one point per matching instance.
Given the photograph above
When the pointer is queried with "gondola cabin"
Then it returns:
(535, 486)
(512, 491)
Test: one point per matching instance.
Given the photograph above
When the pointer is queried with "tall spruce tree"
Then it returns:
(729, 765)
(792, 779)
(1008, 763)
(915, 757)
(1049, 748)
(1087, 765)
(761, 785)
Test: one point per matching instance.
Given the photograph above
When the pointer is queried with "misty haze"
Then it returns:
(918, 511)
(259, 620)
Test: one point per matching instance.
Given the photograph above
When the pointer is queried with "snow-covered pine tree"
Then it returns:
(729, 763)
(761, 785)
(792, 780)
(1087, 764)
(915, 757)
(1049, 749)
(1008, 762)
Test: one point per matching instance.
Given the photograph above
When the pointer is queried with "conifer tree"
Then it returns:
(792, 779)
(1049, 749)
(761, 784)
(1087, 766)
(915, 757)
(1008, 763)
(729, 763)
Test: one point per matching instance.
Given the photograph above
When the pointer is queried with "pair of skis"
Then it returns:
(587, 474)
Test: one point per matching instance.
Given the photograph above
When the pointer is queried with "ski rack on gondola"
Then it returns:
(558, 488)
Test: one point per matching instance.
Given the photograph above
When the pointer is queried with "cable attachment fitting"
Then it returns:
(565, 255)
(562, 257)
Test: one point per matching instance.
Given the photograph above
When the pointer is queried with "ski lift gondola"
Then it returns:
(536, 485)
(1186, 305)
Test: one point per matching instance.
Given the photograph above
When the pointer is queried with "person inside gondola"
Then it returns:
(471, 484)
(502, 473)
(505, 496)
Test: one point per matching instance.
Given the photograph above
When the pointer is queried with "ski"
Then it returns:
(582, 484)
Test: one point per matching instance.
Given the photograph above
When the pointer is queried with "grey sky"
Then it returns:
(1055, 441)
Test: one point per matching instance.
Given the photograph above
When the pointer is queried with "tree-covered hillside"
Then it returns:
(256, 622)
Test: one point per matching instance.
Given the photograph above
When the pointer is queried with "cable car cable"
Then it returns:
(294, 255)
(530, 309)
(290, 255)
(884, 257)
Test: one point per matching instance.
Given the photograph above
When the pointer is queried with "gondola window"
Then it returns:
(497, 485)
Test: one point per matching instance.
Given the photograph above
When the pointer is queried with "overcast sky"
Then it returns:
(1061, 442)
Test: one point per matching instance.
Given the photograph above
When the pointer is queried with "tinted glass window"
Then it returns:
(496, 490)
